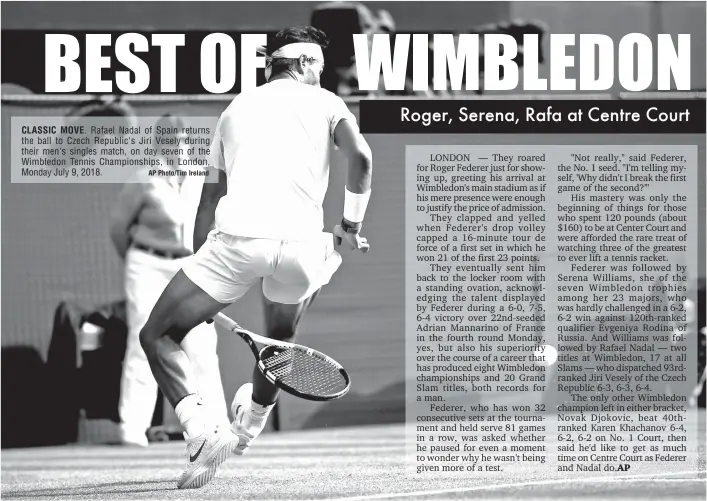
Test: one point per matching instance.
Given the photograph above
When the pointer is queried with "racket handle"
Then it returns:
(225, 322)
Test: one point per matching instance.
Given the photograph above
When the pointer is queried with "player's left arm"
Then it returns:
(348, 138)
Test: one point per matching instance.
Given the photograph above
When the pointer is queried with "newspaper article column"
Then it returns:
(545, 308)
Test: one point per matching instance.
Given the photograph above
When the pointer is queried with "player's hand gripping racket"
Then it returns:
(296, 369)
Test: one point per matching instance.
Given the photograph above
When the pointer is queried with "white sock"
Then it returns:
(260, 409)
(257, 416)
(190, 412)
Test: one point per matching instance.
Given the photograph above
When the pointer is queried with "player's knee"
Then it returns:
(148, 339)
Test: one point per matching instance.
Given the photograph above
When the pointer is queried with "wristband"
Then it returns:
(350, 227)
(355, 205)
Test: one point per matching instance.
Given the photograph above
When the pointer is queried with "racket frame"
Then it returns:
(251, 339)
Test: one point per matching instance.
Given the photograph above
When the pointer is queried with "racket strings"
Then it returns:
(306, 372)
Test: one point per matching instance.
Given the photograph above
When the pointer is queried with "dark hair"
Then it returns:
(296, 34)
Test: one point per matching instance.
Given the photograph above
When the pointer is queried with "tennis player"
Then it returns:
(271, 148)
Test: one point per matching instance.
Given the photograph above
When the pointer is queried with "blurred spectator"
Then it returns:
(152, 230)
(100, 108)
(121, 113)
(386, 23)
(692, 334)
(340, 20)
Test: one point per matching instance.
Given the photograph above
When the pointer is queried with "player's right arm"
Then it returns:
(351, 142)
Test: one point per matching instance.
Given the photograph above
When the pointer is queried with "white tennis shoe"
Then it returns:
(205, 453)
(248, 422)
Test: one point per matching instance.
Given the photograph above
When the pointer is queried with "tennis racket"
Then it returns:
(296, 369)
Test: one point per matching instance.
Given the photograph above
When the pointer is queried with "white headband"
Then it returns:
(295, 50)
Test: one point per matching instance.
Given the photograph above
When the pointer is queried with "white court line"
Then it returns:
(530, 483)
(668, 480)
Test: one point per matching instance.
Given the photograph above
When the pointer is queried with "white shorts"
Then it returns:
(226, 266)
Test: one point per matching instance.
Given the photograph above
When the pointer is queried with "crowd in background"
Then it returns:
(340, 20)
